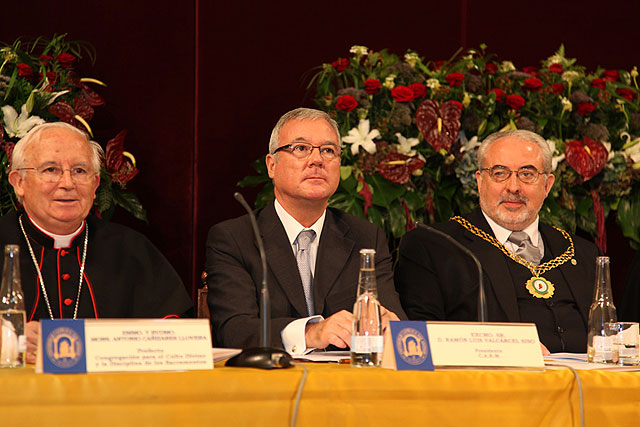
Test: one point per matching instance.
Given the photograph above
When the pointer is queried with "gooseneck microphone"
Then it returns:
(263, 357)
(482, 303)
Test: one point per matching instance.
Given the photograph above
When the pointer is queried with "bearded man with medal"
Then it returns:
(72, 264)
(533, 272)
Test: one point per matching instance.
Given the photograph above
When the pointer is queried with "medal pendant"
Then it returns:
(540, 287)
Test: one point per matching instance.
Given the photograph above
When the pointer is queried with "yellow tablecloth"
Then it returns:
(333, 395)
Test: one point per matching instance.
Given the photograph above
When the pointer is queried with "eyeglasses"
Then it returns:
(302, 150)
(526, 174)
(53, 174)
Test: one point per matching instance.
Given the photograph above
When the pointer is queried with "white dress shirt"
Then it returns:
(293, 335)
(502, 234)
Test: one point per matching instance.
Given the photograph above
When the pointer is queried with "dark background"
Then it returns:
(199, 84)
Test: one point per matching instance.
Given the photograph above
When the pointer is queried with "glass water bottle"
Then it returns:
(600, 338)
(366, 338)
(13, 342)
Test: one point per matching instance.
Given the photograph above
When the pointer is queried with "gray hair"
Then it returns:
(18, 159)
(523, 135)
(300, 114)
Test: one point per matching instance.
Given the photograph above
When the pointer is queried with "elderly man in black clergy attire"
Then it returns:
(312, 280)
(532, 272)
(55, 172)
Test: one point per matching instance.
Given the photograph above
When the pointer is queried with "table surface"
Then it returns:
(333, 395)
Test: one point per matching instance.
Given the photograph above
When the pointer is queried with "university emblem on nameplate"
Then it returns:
(64, 346)
(410, 349)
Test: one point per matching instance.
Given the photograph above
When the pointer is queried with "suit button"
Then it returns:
(68, 301)
(66, 276)
(63, 252)
(560, 330)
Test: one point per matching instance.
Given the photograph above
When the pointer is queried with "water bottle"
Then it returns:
(13, 343)
(366, 338)
(600, 340)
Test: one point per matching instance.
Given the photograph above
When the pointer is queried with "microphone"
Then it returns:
(482, 303)
(263, 357)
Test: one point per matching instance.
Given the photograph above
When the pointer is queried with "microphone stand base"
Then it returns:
(261, 358)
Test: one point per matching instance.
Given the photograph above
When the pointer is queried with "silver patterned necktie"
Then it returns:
(525, 248)
(303, 241)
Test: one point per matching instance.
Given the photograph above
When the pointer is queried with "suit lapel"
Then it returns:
(495, 268)
(280, 259)
(556, 245)
(334, 252)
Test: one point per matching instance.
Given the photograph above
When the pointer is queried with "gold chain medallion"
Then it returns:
(540, 287)
(537, 286)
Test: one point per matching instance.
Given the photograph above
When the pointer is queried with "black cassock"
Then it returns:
(125, 276)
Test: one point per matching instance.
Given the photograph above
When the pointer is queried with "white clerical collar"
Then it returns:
(60, 240)
(293, 227)
(502, 234)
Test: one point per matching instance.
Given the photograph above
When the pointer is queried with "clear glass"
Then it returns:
(600, 339)
(627, 341)
(12, 314)
(366, 338)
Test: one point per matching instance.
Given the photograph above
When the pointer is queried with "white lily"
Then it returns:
(555, 160)
(631, 148)
(468, 145)
(404, 145)
(362, 137)
(18, 126)
(607, 145)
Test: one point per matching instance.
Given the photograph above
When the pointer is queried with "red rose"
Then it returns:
(45, 58)
(500, 94)
(419, 90)
(627, 94)
(340, 64)
(438, 64)
(402, 94)
(65, 59)
(532, 71)
(52, 77)
(557, 88)
(372, 86)
(346, 103)
(24, 71)
(515, 101)
(610, 75)
(454, 79)
(585, 108)
(556, 68)
(532, 84)
(599, 83)
(492, 68)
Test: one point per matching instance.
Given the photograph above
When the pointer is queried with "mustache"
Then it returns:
(514, 197)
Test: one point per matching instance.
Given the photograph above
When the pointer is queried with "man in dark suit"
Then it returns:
(312, 251)
(541, 275)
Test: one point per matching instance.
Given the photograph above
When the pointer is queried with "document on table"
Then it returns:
(326, 356)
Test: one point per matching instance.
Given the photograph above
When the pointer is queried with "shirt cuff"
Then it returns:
(293, 338)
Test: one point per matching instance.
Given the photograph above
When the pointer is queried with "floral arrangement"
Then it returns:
(38, 84)
(410, 129)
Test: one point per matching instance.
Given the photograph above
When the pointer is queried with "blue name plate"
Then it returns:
(409, 342)
(63, 349)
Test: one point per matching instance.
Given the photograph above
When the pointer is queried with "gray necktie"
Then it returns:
(525, 248)
(304, 240)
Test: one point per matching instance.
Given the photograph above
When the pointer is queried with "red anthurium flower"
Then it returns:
(122, 170)
(439, 124)
(398, 167)
(67, 113)
(587, 157)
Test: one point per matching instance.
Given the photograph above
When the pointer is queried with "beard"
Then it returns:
(509, 218)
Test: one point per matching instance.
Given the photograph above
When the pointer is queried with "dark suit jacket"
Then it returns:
(436, 281)
(235, 274)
